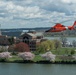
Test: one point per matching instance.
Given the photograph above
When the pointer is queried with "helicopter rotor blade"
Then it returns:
(65, 21)
(61, 22)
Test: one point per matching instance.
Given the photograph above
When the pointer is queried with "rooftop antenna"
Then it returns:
(0, 29)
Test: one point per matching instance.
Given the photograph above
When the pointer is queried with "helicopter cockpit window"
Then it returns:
(63, 26)
(52, 28)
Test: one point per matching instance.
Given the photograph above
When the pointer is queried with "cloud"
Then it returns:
(35, 12)
(57, 6)
(69, 1)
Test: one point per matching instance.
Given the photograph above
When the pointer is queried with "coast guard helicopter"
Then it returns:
(59, 27)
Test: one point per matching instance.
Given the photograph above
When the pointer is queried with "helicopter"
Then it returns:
(59, 28)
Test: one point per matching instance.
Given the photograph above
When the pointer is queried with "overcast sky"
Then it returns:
(36, 13)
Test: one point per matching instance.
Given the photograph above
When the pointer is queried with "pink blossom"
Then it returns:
(5, 55)
(26, 55)
(48, 56)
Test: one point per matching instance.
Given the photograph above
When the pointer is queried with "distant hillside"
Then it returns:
(17, 31)
(20, 29)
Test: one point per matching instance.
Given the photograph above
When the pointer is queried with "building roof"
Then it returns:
(39, 34)
(31, 34)
(34, 35)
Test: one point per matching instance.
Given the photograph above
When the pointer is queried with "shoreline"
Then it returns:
(40, 62)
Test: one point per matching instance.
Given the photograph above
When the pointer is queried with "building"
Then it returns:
(32, 39)
(4, 43)
(4, 40)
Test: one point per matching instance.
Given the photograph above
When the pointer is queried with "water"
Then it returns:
(36, 69)
(70, 39)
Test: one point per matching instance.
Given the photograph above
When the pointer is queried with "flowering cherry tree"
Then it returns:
(48, 56)
(5, 55)
(26, 55)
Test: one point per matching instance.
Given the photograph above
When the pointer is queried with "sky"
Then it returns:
(36, 13)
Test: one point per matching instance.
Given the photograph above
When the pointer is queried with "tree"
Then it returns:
(48, 56)
(45, 46)
(11, 48)
(74, 43)
(11, 40)
(72, 52)
(4, 56)
(22, 47)
(57, 44)
(26, 55)
(51, 44)
(63, 40)
(3, 48)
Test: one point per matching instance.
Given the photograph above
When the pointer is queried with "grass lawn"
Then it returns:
(14, 58)
(63, 51)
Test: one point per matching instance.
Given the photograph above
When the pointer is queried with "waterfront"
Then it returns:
(36, 69)
(70, 39)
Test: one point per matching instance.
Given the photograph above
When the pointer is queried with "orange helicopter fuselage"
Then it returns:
(59, 27)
